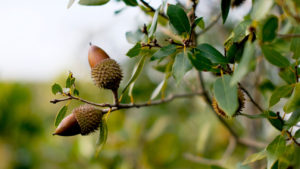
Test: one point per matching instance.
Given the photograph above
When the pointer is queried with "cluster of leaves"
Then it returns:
(258, 34)
(70, 88)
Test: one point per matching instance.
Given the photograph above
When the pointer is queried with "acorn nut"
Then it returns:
(83, 120)
(106, 72)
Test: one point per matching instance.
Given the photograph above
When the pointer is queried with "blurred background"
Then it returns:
(42, 40)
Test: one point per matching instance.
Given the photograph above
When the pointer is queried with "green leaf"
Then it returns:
(274, 150)
(130, 2)
(274, 57)
(181, 66)
(76, 92)
(70, 80)
(103, 132)
(199, 22)
(163, 85)
(241, 31)
(288, 75)
(235, 51)
(297, 134)
(134, 37)
(134, 51)
(136, 72)
(93, 2)
(279, 93)
(255, 157)
(293, 120)
(296, 43)
(244, 67)
(61, 114)
(294, 101)
(241, 166)
(226, 95)
(157, 90)
(154, 22)
(71, 2)
(56, 88)
(260, 8)
(164, 52)
(209, 52)
(178, 19)
(225, 6)
(200, 62)
(269, 29)
(276, 121)
(287, 158)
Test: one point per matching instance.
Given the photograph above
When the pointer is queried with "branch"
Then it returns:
(292, 138)
(288, 36)
(229, 150)
(210, 25)
(115, 107)
(152, 9)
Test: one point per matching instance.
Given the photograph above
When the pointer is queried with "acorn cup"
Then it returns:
(83, 120)
(106, 72)
(220, 112)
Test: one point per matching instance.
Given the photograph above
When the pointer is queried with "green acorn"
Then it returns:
(83, 120)
(106, 72)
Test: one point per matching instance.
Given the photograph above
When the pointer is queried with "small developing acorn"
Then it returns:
(83, 120)
(106, 72)
(220, 112)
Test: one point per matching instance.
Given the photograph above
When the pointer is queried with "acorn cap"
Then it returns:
(88, 118)
(83, 120)
(107, 74)
(220, 112)
(96, 55)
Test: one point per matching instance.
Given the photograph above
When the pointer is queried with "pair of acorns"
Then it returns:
(106, 73)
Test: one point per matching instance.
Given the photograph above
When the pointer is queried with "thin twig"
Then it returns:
(152, 9)
(201, 160)
(251, 99)
(229, 150)
(210, 25)
(192, 35)
(288, 36)
(293, 138)
(127, 106)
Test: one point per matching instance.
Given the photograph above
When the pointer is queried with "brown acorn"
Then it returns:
(220, 112)
(83, 120)
(106, 72)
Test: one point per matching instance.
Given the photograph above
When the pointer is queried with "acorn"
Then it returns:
(220, 112)
(83, 120)
(106, 72)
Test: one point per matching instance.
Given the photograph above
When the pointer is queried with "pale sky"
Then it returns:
(40, 39)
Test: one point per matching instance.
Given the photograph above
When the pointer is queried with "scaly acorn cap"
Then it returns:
(83, 120)
(107, 74)
(220, 112)
(88, 118)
